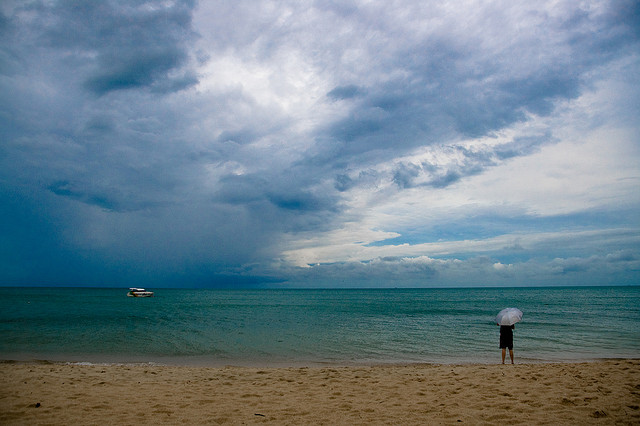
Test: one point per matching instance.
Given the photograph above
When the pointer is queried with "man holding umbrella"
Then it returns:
(506, 319)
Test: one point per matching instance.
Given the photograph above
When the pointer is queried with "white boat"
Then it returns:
(139, 292)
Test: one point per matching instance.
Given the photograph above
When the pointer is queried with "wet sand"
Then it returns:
(602, 392)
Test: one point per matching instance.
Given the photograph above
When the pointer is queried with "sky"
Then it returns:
(322, 143)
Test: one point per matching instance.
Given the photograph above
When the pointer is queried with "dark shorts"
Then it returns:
(506, 342)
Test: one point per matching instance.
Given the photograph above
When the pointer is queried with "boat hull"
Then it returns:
(140, 294)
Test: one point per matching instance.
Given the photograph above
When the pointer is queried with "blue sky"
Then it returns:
(319, 143)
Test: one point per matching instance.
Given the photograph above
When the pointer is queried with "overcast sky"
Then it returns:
(319, 143)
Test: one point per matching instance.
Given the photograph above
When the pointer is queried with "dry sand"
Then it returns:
(605, 392)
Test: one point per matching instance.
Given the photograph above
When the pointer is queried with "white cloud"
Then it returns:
(540, 243)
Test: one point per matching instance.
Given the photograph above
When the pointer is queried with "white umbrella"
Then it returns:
(509, 316)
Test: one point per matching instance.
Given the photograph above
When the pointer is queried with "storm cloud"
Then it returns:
(251, 143)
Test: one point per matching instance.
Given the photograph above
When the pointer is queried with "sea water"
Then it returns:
(316, 327)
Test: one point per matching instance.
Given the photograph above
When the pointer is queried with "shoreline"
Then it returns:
(208, 363)
(599, 391)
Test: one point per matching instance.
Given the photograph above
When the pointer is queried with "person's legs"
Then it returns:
(504, 352)
(510, 354)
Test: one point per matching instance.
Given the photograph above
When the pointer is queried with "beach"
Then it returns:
(599, 392)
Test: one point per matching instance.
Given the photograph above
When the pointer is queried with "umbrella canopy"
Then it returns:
(509, 316)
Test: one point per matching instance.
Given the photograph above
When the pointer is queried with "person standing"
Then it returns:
(506, 340)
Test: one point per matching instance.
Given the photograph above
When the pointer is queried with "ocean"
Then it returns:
(316, 327)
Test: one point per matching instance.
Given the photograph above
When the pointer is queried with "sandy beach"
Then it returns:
(603, 392)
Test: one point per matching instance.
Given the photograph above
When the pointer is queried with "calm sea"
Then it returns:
(316, 327)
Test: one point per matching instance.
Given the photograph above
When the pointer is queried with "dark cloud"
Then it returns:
(536, 93)
(115, 45)
(64, 188)
(448, 178)
(139, 70)
(521, 146)
(345, 92)
(366, 179)
(404, 175)
(450, 88)
(118, 165)
(286, 202)
(302, 201)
